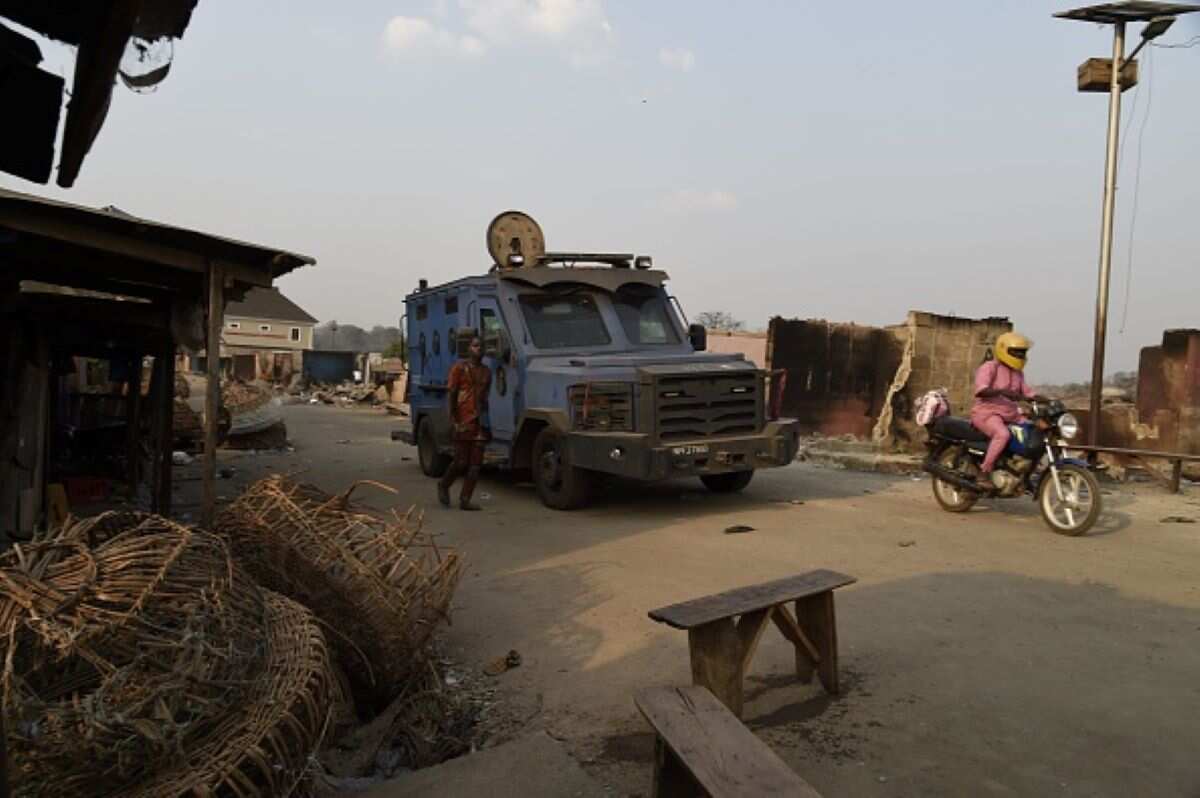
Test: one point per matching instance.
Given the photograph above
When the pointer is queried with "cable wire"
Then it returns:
(1137, 184)
(1192, 42)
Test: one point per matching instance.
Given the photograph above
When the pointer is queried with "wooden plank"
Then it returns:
(815, 617)
(1133, 452)
(807, 657)
(747, 599)
(723, 756)
(750, 628)
(212, 399)
(715, 650)
(96, 62)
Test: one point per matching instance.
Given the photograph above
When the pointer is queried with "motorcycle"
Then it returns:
(1035, 463)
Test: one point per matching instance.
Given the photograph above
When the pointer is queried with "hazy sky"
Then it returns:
(776, 158)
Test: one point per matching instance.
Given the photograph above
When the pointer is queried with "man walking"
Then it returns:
(468, 387)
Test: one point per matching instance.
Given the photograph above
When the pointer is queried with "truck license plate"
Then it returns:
(689, 450)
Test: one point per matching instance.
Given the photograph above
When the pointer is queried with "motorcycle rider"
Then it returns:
(999, 385)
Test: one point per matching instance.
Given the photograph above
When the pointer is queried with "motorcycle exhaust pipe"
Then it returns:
(946, 475)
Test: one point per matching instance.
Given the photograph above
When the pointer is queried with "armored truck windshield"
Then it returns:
(644, 316)
(564, 321)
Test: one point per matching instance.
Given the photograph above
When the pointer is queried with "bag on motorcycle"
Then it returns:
(931, 406)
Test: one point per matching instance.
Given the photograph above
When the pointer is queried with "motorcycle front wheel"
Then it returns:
(1071, 507)
(952, 498)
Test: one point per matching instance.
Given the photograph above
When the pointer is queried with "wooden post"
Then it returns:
(212, 398)
(133, 423)
(815, 616)
(807, 656)
(1176, 475)
(671, 778)
(716, 651)
(164, 433)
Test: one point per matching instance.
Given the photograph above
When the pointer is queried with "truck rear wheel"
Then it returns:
(433, 462)
(730, 482)
(561, 485)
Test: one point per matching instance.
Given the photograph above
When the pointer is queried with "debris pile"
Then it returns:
(141, 661)
(345, 394)
(380, 584)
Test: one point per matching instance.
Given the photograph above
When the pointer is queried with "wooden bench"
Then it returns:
(721, 649)
(700, 748)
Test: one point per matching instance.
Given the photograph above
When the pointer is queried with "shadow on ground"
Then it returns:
(968, 684)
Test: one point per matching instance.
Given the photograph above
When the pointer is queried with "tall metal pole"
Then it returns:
(1106, 230)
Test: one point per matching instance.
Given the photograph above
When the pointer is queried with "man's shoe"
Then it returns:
(443, 495)
(467, 504)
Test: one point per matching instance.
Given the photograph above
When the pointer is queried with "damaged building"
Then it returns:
(86, 285)
(851, 379)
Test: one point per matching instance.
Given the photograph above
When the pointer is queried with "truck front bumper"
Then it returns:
(641, 457)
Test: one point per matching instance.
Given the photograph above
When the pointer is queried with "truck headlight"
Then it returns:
(1068, 426)
(602, 407)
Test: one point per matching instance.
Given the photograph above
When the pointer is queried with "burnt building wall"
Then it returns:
(864, 381)
(832, 373)
(1168, 393)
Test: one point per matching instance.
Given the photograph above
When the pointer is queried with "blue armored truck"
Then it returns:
(594, 372)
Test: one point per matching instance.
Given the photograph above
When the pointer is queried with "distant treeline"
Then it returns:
(351, 338)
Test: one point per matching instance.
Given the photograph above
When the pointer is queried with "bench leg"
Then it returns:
(816, 618)
(716, 651)
(807, 657)
(671, 778)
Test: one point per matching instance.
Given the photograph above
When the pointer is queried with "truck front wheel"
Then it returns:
(731, 482)
(561, 485)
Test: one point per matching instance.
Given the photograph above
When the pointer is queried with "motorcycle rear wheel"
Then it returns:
(1078, 509)
(950, 497)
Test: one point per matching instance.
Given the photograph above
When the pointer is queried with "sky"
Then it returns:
(807, 160)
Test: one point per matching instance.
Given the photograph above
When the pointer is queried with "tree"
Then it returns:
(396, 349)
(719, 320)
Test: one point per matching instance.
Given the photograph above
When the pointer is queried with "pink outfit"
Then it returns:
(992, 415)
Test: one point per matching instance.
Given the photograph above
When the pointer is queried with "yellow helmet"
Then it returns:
(1012, 349)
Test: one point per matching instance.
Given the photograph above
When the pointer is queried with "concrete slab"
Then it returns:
(532, 765)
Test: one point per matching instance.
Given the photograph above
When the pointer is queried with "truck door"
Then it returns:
(504, 378)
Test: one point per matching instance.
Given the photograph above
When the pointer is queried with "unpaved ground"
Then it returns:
(985, 656)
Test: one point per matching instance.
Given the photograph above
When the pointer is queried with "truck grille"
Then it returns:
(708, 406)
(601, 407)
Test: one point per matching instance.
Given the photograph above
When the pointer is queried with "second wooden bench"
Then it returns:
(721, 648)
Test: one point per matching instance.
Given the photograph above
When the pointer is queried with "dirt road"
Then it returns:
(980, 654)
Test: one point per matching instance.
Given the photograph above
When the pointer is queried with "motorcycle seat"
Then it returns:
(959, 429)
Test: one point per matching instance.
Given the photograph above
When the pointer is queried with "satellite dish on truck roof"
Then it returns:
(515, 240)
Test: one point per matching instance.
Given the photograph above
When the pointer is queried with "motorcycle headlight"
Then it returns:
(1068, 426)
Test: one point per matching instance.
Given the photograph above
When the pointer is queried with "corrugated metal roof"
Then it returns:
(14, 204)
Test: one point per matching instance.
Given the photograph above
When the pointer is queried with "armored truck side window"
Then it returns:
(563, 322)
(489, 328)
(644, 316)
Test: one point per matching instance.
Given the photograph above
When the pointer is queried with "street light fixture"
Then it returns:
(1159, 17)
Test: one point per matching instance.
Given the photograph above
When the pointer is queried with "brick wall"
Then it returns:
(946, 353)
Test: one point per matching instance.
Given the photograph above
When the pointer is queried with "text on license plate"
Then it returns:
(688, 450)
